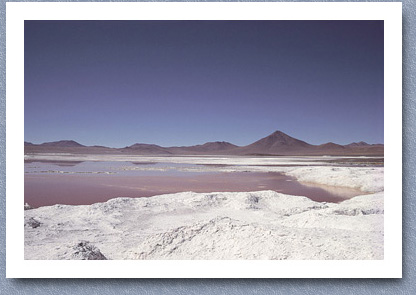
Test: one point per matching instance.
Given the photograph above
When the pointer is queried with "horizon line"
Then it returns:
(216, 141)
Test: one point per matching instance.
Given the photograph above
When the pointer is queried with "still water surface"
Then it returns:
(84, 183)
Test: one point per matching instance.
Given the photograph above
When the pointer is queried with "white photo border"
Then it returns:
(18, 12)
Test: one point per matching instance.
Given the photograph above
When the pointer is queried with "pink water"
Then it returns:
(45, 189)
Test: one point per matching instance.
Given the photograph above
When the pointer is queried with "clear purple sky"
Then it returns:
(115, 83)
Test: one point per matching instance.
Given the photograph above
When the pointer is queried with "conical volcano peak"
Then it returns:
(275, 141)
(279, 133)
(282, 138)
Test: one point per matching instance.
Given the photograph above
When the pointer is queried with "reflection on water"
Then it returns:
(214, 165)
(114, 167)
(57, 163)
(91, 182)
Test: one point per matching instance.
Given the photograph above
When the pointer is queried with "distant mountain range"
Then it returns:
(276, 144)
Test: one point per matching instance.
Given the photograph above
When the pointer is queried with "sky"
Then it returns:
(174, 83)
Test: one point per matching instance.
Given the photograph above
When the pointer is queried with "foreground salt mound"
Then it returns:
(248, 225)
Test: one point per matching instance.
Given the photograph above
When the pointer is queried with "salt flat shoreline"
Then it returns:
(311, 168)
(220, 225)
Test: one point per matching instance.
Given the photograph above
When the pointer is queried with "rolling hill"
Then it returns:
(275, 144)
